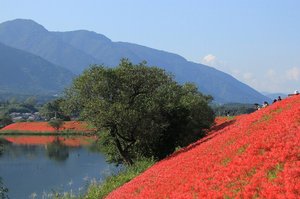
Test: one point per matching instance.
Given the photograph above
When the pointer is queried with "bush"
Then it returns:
(56, 123)
(5, 120)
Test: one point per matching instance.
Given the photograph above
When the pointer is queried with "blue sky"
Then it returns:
(256, 41)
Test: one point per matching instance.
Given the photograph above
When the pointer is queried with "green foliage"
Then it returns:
(53, 109)
(140, 111)
(113, 182)
(1, 148)
(56, 123)
(13, 105)
(20, 108)
(4, 120)
(30, 101)
(233, 109)
(273, 173)
(3, 190)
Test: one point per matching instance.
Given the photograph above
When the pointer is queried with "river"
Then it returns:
(38, 166)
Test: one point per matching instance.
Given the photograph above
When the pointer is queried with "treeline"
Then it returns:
(46, 111)
(40, 99)
(13, 105)
(9, 106)
(232, 109)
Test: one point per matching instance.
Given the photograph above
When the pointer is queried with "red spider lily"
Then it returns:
(249, 156)
(45, 127)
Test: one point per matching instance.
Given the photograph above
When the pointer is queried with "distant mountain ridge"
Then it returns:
(29, 36)
(275, 95)
(25, 73)
(76, 50)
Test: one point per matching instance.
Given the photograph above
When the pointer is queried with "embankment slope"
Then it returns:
(250, 156)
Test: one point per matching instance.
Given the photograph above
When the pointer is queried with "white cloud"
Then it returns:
(293, 74)
(209, 59)
(272, 80)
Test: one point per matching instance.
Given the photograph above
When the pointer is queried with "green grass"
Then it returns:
(226, 161)
(272, 173)
(242, 149)
(229, 118)
(113, 182)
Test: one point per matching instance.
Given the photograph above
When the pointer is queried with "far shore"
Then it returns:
(45, 133)
(43, 128)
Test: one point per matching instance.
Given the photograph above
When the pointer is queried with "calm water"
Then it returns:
(32, 170)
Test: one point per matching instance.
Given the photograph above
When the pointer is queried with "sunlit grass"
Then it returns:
(113, 182)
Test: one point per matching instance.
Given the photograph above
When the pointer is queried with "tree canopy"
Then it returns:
(56, 123)
(53, 110)
(140, 111)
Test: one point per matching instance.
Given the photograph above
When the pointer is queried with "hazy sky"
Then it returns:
(256, 41)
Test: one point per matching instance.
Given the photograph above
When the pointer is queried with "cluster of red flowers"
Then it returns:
(43, 140)
(45, 127)
(249, 156)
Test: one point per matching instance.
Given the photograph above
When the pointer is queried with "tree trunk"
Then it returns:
(123, 153)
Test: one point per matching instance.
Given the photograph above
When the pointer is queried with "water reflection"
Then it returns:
(27, 167)
(57, 151)
(3, 142)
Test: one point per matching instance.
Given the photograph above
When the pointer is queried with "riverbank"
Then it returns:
(43, 128)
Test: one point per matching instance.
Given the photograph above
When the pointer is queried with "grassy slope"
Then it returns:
(250, 156)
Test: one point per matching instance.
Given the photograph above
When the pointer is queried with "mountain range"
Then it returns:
(76, 50)
(26, 73)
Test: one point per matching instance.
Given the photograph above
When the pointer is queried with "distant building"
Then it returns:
(16, 117)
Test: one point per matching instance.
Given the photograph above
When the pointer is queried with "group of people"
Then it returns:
(296, 92)
(265, 104)
(278, 99)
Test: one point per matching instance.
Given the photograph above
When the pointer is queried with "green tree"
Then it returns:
(54, 110)
(56, 123)
(5, 120)
(140, 111)
(233, 109)
(31, 101)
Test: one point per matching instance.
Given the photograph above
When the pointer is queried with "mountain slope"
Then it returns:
(250, 156)
(76, 50)
(29, 36)
(25, 73)
(223, 87)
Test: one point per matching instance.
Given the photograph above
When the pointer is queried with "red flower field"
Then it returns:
(249, 156)
(45, 127)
